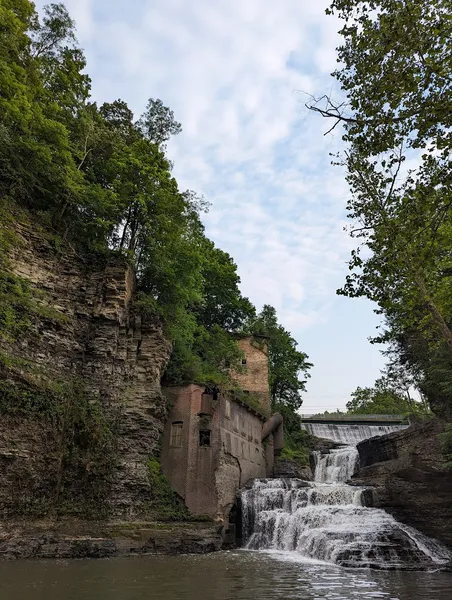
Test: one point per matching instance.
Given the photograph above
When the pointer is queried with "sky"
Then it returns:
(237, 74)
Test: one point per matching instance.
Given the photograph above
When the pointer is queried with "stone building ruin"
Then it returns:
(215, 442)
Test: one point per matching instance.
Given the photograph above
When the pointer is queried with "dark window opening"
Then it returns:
(227, 364)
(176, 434)
(204, 438)
(243, 361)
(212, 391)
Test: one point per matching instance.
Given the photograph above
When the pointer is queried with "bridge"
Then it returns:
(343, 419)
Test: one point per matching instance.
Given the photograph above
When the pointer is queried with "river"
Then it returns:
(238, 575)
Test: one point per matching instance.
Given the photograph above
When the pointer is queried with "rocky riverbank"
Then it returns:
(81, 539)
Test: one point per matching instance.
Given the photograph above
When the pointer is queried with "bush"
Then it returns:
(166, 504)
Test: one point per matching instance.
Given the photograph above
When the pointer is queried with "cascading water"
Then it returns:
(349, 434)
(328, 520)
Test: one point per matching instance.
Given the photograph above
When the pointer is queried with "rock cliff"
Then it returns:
(410, 481)
(80, 400)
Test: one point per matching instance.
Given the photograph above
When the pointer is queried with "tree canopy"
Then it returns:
(395, 71)
(383, 399)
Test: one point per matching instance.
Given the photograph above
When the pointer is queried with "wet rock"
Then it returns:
(289, 468)
(324, 445)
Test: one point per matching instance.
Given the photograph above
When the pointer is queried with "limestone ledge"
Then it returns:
(46, 540)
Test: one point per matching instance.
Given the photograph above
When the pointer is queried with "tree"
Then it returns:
(396, 76)
(223, 303)
(383, 399)
(158, 124)
(286, 363)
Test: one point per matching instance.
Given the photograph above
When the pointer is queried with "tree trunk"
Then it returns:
(438, 318)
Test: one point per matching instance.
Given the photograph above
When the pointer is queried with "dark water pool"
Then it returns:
(237, 575)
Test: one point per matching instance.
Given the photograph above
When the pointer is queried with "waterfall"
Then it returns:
(337, 465)
(328, 520)
(349, 434)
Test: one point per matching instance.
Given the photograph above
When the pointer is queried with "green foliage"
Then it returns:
(296, 452)
(396, 74)
(15, 304)
(158, 123)
(81, 440)
(383, 400)
(222, 303)
(202, 341)
(166, 504)
(297, 441)
(286, 363)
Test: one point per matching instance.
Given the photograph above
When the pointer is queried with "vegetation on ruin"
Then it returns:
(166, 505)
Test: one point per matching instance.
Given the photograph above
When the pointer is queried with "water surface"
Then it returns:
(240, 575)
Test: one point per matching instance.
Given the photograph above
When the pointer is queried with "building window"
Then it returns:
(204, 438)
(236, 422)
(227, 409)
(176, 434)
(243, 361)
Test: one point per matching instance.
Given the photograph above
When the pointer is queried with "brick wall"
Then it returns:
(254, 377)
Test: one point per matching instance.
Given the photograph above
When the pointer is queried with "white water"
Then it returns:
(349, 434)
(328, 520)
(336, 466)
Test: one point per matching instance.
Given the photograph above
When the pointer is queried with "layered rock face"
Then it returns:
(93, 340)
(285, 468)
(409, 479)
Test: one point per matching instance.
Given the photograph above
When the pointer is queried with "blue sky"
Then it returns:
(235, 73)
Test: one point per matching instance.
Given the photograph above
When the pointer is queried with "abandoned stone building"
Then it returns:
(215, 442)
